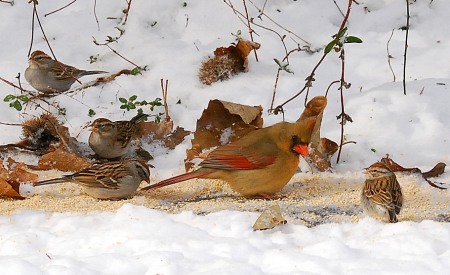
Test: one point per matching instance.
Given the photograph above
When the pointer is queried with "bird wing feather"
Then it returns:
(92, 177)
(379, 195)
(234, 156)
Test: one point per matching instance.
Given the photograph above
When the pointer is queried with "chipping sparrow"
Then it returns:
(381, 196)
(48, 76)
(110, 180)
(111, 139)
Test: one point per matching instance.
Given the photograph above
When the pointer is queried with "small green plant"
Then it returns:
(138, 70)
(340, 39)
(93, 59)
(283, 67)
(132, 103)
(91, 113)
(16, 102)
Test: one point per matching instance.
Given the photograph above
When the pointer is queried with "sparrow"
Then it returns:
(260, 163)
(111, 139)
(50, 76)
(109, 180)
(381, 196)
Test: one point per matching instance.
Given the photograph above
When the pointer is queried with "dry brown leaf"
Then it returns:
(437, 170)
(227, 61)
(270, 218)
(11, 177)
(162, 131)
(62, 160)
(321, 149)
(223, 122)
(321, 156)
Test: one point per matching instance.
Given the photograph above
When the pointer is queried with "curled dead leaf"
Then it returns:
(227, 61)
(437, 170)
(270, 218)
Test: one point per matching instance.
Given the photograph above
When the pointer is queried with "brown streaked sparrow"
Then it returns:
(48, 76)
(111, 139)
(381, 196)
(110, 180)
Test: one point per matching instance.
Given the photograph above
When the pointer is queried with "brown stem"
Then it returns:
(55, 11)
(341, 89)
(250, 31)
(389, 55)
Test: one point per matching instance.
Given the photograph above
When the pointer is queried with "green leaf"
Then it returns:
(353, 39)
(136, 71)
(123, 106)
(330, 46)
(341, 33)
(132, 98)
(91, 113)
(123, 100)
(23, 98)
(131, 106)
(9, 98)
(16, 104)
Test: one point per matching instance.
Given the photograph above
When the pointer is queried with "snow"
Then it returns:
(172, 40)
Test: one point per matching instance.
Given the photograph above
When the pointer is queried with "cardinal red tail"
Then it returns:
(176, 179)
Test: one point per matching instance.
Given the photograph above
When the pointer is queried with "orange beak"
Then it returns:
(301, 149)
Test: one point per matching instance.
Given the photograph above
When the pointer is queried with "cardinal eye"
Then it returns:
(296, 140)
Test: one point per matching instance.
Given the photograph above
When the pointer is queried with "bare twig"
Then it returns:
(95, 14)
(337, 6)
(343, 115)
(114, 51)
(329, 86)
(164, 94)
(128, 10)
(55, 11)
(261, 13)
(406, 47)
(8, 2)
(310, 78)
(250, 31)
(389, 56)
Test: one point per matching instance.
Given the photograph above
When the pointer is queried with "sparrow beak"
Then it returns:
(301, 149)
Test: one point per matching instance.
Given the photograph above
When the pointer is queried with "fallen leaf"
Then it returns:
(437, 170)
(223, 122)
(270, 218)
(62, 160)
(162, 131)
(321, 149)
(226, 62)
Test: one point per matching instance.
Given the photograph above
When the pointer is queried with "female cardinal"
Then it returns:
(259, 164)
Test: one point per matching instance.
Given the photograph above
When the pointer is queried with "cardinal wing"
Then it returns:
(235, 156)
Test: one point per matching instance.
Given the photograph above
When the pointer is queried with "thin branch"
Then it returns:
(250, 31)
(164, 93)
(343, 115)
(261, 11)
(114, 51)
(406, 47)
(337, 6)
(310, 78)
(128, 10)
(95, 14)
(329, 86)
(389, 56)
(55, 11)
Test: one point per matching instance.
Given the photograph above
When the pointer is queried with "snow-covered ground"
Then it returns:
(172, 38)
